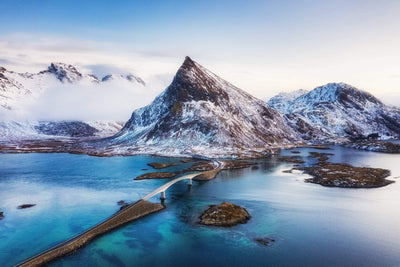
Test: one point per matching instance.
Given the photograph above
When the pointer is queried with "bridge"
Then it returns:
(128, 214)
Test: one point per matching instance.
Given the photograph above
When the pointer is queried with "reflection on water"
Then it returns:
(312, 225)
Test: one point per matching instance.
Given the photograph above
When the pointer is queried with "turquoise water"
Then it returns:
(312, 225)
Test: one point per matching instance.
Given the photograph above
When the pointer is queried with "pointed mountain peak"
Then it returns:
(64, 72)
(194, 82)
(188, 66)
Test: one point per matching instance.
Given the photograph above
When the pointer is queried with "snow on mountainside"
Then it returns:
(282, 101)
(19, 90)
(32, 130)
(130, 77)
(200, 113)
(339, 110)
(68, 73)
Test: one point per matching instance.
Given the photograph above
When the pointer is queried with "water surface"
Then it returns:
(312, 225)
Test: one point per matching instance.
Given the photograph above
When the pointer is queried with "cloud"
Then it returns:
(113, 100)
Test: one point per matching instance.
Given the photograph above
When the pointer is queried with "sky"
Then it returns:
(263, 47)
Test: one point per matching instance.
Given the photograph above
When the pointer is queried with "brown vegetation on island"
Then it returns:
(156, 175)
(345, 175)
(292, 159)
(225, 214)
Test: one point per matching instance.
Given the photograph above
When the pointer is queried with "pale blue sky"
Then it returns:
(261, 46)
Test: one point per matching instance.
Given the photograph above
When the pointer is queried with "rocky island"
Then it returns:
(225, 214)
(156, 175)
(345, 175)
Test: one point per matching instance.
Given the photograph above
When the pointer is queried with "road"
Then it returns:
(132, 212)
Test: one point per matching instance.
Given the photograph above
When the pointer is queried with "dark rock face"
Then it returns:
(64, 72)
(25, 206)
(225, 214)
(66, 128)
(199, 110)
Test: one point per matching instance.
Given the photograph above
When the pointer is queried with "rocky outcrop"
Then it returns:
(225, 214)
(25, 206)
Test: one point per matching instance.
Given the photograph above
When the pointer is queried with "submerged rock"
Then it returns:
(122, 204)
(25, 206)
(1, 215)
(265, 241)
(225, 214)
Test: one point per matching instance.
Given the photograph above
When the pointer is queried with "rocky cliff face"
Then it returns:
(200, 113)
(339, 110)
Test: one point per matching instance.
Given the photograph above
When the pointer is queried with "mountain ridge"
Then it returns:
(200, 113)
(338, 110)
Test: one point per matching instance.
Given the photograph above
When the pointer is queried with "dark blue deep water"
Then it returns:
(312, 225)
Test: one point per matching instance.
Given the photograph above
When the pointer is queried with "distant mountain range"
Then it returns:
(337, 111)
(19, 89)
(16, 88)
(199, 113)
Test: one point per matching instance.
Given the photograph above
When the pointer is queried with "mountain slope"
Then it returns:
(200, 113)
(283, 101)
(18, 91)
(129, 77)
(339, 110)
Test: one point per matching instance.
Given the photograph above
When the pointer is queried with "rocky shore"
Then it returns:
(376, 146)
(225, 214)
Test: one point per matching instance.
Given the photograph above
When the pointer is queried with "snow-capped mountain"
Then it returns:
(129, 77)
(339, 110)
(16, 89)
(200, 113)
(19, 90)
(68, 73)
(31, 130)
(283, 101)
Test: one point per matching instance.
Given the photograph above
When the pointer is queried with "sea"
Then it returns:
(311, 225)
